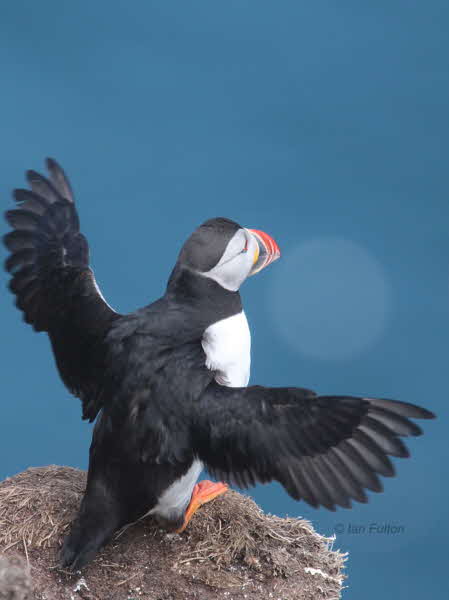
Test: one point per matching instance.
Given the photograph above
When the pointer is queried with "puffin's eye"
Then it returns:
(245, 249)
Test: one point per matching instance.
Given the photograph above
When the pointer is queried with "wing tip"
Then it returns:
(51, 163)
(31, 175)
(427, 414)
(405, 409)
(59, 178)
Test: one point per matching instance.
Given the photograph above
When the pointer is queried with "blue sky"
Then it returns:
(324, 124)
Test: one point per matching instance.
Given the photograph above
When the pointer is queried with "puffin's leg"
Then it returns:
(92, 528)
(203, 492)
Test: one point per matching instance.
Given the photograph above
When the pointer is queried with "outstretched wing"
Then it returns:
(325, 450)
(53, 284)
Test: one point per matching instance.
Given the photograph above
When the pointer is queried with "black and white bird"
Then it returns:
(167, 383)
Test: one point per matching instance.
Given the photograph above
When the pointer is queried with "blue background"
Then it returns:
(323, 123)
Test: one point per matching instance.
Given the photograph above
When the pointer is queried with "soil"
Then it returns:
(231, 550)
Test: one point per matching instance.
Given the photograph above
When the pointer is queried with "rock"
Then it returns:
(15, 579)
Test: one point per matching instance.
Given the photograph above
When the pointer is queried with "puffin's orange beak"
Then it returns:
(267, 250)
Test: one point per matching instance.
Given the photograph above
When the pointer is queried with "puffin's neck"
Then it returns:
(202, 295)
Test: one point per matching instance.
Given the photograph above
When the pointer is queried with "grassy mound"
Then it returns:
(230, 550)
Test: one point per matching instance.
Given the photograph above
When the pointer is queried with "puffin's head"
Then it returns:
(228, 253)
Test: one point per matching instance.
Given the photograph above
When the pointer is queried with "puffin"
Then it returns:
(167, 385)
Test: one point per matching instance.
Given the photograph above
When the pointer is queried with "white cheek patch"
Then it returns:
(234, 265)
(234, 247)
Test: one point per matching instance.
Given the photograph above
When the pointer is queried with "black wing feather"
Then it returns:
(326, 450)
(53, 284)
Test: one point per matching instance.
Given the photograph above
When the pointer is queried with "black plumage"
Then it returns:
(158, 407)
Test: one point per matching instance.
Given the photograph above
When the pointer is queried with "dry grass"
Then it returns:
(237, 530)
(231, 547)
(32, 507)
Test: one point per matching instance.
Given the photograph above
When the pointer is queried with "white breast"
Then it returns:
(227, 345)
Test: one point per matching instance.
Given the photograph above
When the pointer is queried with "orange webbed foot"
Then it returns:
(204, 491)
